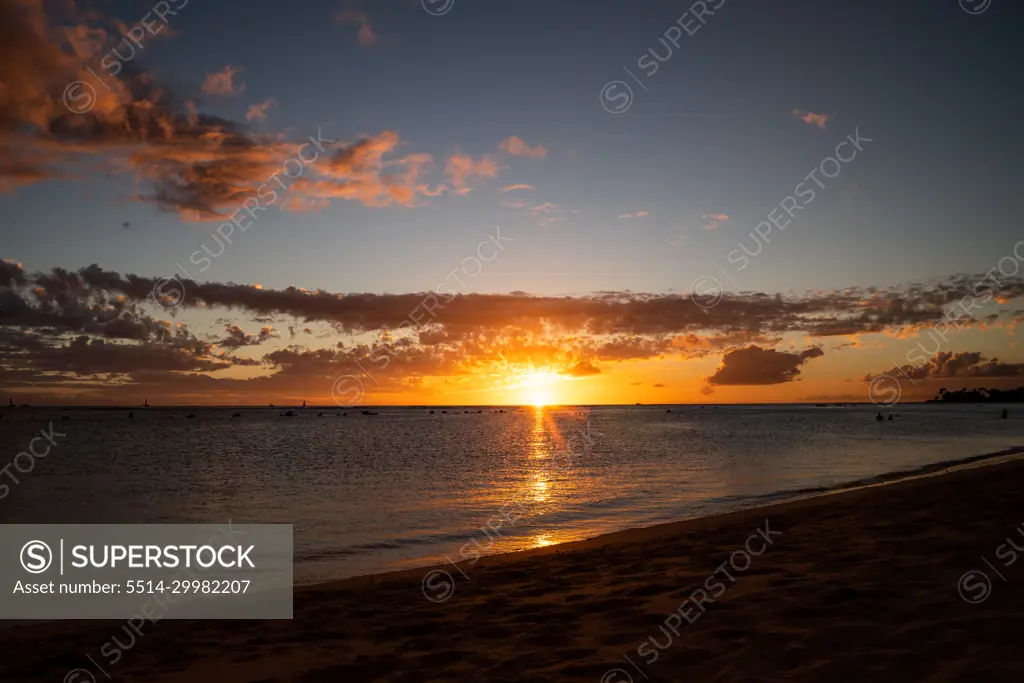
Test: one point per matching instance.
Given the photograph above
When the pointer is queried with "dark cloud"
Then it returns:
(640, 321)
(698, 346)
(84, 356)
(583, 369)
(11, 273)
(753, 365)
(629, 325)
(237, 338)
(954, 365)
(63, 303)
(632, 348)
(51, 323)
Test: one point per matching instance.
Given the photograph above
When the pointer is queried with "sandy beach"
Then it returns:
(914, 580)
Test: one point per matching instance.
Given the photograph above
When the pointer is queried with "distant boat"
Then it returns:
(304, 405)
(145, 404)
(639, 403)
(10, 402)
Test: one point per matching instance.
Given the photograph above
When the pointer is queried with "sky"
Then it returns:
(446, 202)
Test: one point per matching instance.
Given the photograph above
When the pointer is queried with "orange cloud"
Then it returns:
(202, 167)
(462, 169)
(546, 207)
(259, 111)
(360, 171)
(350, 15)
(714, 220)
(223, 82)
(509, 188)
(518, 148)
(812, 119)
(638, 214)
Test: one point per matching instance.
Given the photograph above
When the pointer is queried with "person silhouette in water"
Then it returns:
(879, 417)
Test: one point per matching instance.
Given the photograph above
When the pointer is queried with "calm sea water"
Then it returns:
(407, 487)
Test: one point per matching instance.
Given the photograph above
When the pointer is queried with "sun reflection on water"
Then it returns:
(543, 540)
(540, 442)
(547, 484)
(540, 488)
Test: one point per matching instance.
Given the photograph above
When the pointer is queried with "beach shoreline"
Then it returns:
(876, 581)
(778, 498)
(364, 501)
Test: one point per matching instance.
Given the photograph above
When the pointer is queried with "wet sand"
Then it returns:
(860, 585)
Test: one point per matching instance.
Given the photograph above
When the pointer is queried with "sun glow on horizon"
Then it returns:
(537, 384)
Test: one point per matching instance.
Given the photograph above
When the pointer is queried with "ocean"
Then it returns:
(414, 486)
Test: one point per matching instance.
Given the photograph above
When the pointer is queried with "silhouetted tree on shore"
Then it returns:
(981, 395)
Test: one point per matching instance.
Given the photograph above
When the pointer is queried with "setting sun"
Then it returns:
(537, 384)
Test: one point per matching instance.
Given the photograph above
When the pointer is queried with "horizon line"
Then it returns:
(466, 405)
